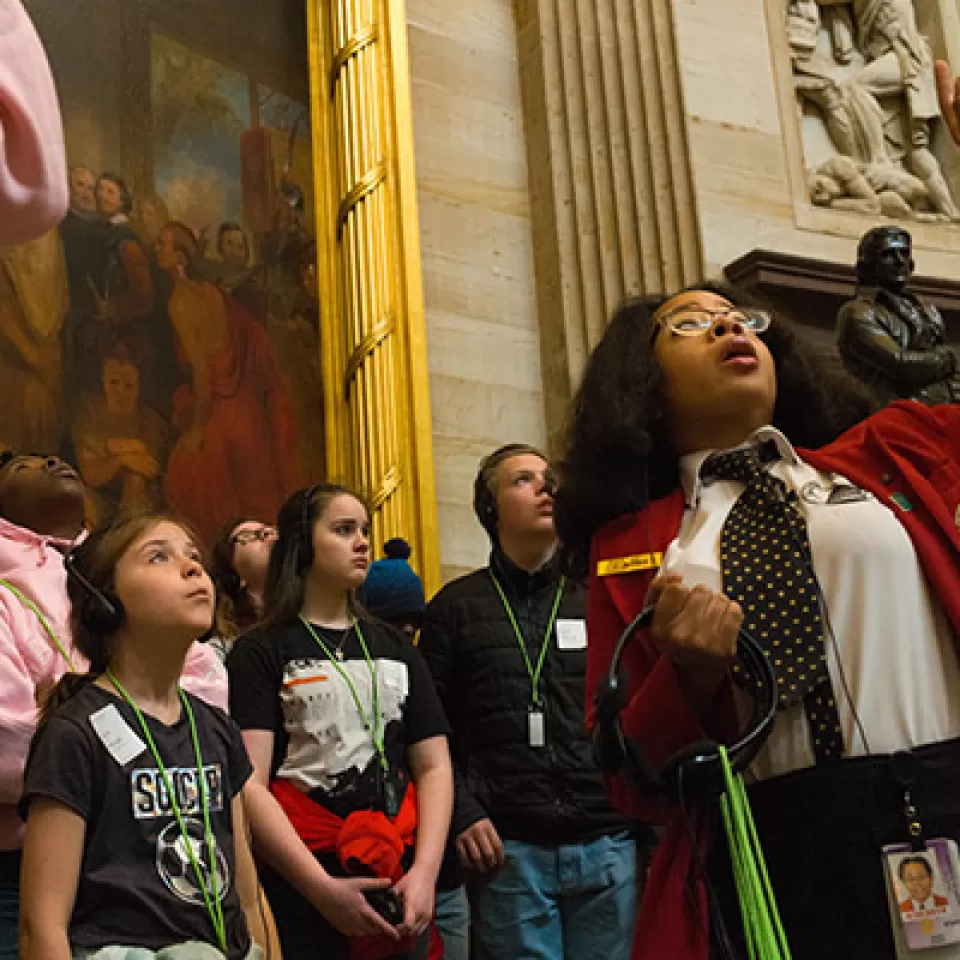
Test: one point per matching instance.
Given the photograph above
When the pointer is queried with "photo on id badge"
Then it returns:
(923, 885)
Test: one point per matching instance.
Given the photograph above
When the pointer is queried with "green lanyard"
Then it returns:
(534, 672)
(38, 613)
(375, 729)
(766, 939)
(210, 895)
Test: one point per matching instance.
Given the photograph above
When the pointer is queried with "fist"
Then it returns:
(480, 847)
(696, 627)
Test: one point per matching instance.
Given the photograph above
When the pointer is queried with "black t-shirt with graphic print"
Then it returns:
(137, 886)
(282, 681)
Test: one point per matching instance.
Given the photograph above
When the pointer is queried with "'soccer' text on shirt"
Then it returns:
(151, 799)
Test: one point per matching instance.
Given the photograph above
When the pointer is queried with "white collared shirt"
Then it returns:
(888, 629)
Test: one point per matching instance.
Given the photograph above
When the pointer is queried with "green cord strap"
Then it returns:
(764, 932)
(44, 622)
(521, 642)
(373, 726)
(208, 884)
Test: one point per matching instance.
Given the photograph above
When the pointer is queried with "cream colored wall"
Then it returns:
(482, 334)
(740, 159)
(744, 141)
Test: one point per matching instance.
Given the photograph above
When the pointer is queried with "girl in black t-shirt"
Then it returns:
(132, 793)
(345, 731)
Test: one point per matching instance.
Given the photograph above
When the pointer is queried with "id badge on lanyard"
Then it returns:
(536, 727)
(922, 880)
(536, 718)
(924, 897)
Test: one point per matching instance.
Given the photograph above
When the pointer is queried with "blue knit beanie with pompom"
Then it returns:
(392, 590)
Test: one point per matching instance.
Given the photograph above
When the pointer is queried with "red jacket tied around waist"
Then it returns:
(367, 837)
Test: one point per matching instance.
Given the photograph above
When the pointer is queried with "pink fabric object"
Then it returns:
(205, 676)
(29, 661)
(33, 168)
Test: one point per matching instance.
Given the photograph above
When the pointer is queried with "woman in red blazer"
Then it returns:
(672, 380)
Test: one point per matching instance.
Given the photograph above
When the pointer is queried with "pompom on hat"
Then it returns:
(392, 590)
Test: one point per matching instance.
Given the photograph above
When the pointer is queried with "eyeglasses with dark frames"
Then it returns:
(261, 535)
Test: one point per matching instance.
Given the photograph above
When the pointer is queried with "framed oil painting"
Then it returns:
(165, 338)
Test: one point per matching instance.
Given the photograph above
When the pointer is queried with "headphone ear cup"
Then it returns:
(699, 766)
(103, 613)
(232, 584)
(490, 509)
(305, 532)
(304, 549)
(608, 742)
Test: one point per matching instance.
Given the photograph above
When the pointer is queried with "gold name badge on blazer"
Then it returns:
(639, 561)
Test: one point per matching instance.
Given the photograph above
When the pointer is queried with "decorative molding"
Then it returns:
(388, 486)
(612, 194)
(351, 48)
(807, 286)
(764, 268)
(363, 349)
(363, 188)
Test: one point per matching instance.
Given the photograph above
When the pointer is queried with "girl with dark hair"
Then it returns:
(720, 472)
(345, 730)
(132, 792)
(239, 561)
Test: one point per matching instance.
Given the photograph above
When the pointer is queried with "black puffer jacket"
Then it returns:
(549, 795)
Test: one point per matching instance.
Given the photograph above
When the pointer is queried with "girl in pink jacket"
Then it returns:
(41, 516)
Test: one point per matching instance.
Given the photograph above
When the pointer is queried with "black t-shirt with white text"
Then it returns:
(137, 886)
(282, 681)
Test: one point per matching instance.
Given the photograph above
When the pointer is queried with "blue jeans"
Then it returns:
(453, 923)
(9, 904)
(576, 902)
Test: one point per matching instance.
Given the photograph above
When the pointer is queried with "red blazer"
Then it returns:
(908, 456)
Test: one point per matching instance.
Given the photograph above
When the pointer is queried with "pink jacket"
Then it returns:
(33, 168)
(29, 660)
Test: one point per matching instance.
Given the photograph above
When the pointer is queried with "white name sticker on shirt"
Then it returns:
(115, 734)
(572, 634)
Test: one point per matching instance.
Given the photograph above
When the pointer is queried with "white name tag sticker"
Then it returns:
(572, 634)
(115, 734)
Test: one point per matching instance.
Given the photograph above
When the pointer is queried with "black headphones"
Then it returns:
(230, 581)
(103, 612)
(304, 533)
(484, 499)
(696, 769)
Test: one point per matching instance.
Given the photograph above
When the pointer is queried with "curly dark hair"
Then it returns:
(619, 455)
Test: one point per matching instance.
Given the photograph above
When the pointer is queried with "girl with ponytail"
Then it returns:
(133, 791)
(347, 735)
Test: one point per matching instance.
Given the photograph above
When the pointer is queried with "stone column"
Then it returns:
(614, 212)
(378, 418)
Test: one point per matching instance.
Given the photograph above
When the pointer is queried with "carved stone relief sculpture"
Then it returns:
(864, 68)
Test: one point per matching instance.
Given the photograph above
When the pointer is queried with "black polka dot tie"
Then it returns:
(764, 559)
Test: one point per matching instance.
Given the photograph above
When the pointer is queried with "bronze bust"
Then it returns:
(888, 338)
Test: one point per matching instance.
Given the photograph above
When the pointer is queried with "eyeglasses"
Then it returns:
(687, 322)
(245, 537)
